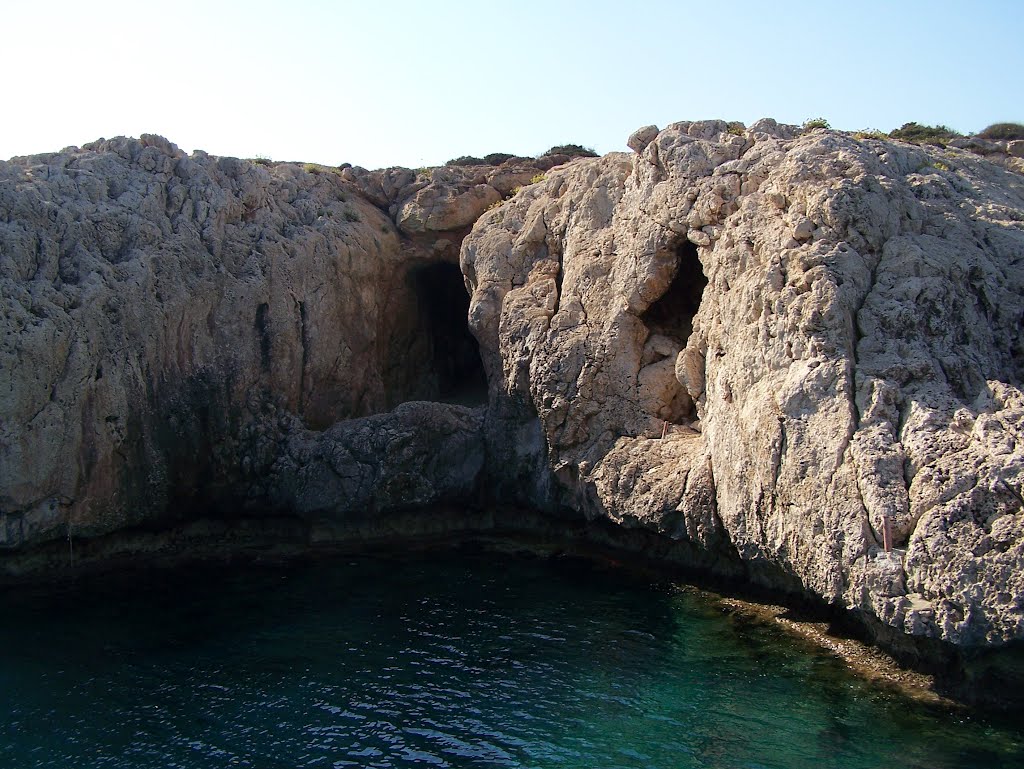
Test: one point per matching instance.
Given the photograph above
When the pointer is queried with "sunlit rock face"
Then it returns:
(764, 343)
(826, 331)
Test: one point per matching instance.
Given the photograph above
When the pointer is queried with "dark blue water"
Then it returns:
(446, 660)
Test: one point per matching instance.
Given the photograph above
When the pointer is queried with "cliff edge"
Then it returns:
(768, 345)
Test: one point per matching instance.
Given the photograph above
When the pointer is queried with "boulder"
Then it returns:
(641, 137)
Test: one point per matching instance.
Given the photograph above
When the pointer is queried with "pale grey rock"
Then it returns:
(763, 345)
(856, 356)
(156, 307)
(641, 137)
(438, 207)
(983, 146)
(804, 230)
(443, 199)
(770, 128)
(690, 368)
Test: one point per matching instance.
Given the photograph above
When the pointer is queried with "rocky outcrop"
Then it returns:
(446, 199)
(158, 308)
(1008, 154)
(768, 345)
(843, 347)
(411, 458)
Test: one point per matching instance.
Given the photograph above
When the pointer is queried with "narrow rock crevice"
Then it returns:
(305, 341)
(263, 331)
(444, 308)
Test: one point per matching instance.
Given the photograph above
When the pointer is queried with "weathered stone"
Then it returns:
(159, 311)
(804, 230)
(855, 357)
(416, 456)
(438, 208)
(641, 137)
(766, 346)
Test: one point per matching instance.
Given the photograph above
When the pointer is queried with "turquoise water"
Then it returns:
(445, 660)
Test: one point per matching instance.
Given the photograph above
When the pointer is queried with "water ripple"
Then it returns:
(443, 662)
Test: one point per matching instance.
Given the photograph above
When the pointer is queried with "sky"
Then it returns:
(408, 83)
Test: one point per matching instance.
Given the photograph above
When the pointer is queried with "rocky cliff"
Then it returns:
(766, 345)
(832, 331)
(171, 323)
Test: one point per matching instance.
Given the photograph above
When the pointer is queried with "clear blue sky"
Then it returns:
(416, 83)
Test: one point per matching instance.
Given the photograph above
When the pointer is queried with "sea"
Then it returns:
(450, 658)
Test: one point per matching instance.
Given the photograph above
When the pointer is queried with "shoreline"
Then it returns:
(282, 539)
(867, 662)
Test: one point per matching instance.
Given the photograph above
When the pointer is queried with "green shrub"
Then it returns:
(538, 178)
(466, 160)
(311, 168)
(494, 159)
(815, 122)
(1003, 132)
(497, 158)
(573, 150)
(351, 215)
(736, 128)
(924, 134)
(870, 133)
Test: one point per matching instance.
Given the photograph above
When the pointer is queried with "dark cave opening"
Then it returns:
(669, 322)
(672, 314)
(453, 354)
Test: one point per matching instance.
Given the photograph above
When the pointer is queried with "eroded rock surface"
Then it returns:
(415, 456)
(764, 343)
(159, 311)
(856, 356)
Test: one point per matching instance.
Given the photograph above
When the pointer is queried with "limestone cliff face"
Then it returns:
(171, 323)
(828, 331)
(764, 345)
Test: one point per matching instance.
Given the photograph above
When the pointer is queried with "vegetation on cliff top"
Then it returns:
(497, 158)
(1003, 132)
(924, 134)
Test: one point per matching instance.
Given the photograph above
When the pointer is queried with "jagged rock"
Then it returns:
(156, 306)
(437, 207)
(641, 137)
(443, 199)
(418, 455)
(856, 355)
(764, 345)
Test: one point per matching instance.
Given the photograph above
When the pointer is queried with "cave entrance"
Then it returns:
(672, 314)
(455, 370)
(669, 322)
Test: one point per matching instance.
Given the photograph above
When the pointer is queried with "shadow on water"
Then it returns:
(444, 660)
